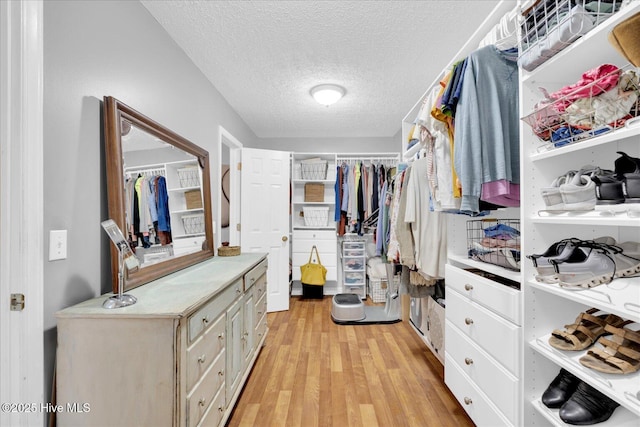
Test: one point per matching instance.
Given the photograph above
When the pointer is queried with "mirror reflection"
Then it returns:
(163, 197)
(158, 186)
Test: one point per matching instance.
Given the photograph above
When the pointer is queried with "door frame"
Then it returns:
(21, 218)
(235, 154)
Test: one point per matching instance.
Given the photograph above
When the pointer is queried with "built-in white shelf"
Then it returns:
(489, 268)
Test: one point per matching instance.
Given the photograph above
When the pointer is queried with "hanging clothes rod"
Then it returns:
(145, 172)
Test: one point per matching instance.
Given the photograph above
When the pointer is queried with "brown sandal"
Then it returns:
(584, 332)
(620, 355)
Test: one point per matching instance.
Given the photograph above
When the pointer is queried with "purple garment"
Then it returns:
(501, 192)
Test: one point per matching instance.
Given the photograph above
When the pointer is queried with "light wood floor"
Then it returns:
(313, 372)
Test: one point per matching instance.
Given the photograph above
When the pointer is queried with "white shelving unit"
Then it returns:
(306, 234)
(548, 307)
(180, 184)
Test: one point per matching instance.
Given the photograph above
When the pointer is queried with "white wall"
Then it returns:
(335, 145)
(93, 49)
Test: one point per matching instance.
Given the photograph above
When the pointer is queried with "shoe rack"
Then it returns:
(548, 306)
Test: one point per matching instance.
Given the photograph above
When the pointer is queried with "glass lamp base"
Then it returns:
(118, 301)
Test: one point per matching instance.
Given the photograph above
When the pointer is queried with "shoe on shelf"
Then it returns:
(559, 251)
(597, 264)
(628, 260)
(620, 353)
(609, 189)
(627, 171)
(551, 195)
(560, 389)
(587, 406)
(579, 194)
(585, 331)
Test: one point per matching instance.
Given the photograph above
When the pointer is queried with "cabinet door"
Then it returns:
(234, 347)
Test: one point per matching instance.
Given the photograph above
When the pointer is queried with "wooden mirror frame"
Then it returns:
(114, 112)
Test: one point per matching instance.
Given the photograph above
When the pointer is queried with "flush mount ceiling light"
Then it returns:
(327, 94)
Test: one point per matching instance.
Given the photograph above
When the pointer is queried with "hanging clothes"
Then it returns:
(428, 228)
(487, 143)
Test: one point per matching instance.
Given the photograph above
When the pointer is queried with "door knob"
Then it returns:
(285, 238)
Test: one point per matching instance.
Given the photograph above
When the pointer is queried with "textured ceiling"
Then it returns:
(265, 56)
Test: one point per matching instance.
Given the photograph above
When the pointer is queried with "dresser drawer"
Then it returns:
(495, 296)
(204, 351)
(474, 402)
(314, 235)
(215, 412)
(261, 329)
(255, 273)
(203, 394)
(498, 337)
(202, 318)
(187, 245)
(260, 308)
(498, 384)
(260, 290)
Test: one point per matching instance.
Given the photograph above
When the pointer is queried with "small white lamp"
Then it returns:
(327, 94)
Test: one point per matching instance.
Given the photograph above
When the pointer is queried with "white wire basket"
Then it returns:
(548, 26)
(193, 224)
(604, 99)
(378, 289)
(316, 216)
(189, 177)
(314, 170)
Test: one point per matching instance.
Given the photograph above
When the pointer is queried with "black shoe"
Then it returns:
(627, 171)
(560, 389)
(587, 406)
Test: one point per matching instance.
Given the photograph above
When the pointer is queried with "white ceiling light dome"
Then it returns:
(327, 94)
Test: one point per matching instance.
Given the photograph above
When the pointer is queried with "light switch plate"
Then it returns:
(57, 244)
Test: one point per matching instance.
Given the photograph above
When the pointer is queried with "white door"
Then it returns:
(265, 217)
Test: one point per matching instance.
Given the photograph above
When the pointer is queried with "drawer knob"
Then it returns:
(253, 279)
(220, 409)
(468, 401)
(259, 313)
(202, 401)
(468, 287)
(220, 336)
(202, 358)
(468, 361)
(205, 320)
(468, 321)
(238, 290)
(221, 372)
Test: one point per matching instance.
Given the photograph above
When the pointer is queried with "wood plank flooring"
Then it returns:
(312, 372)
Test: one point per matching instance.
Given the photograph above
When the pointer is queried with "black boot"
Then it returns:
(560, 389)
(587, 406)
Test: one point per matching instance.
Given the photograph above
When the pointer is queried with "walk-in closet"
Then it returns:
(319, 213)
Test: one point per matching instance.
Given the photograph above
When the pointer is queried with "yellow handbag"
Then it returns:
(313, 273)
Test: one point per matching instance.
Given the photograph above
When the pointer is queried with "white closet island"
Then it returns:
(178, 357)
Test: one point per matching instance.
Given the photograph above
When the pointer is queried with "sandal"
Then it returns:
(620, 355)
(585, 331)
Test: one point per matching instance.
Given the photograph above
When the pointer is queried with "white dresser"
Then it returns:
(483, 350)
(178, 357)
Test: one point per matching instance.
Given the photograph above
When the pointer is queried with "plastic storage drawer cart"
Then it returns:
(354, 267)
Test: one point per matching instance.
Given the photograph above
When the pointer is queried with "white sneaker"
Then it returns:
(579, 194)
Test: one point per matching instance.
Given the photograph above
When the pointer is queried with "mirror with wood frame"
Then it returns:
(158, 192)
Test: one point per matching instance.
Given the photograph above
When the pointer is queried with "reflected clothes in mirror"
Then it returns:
(147, 211)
